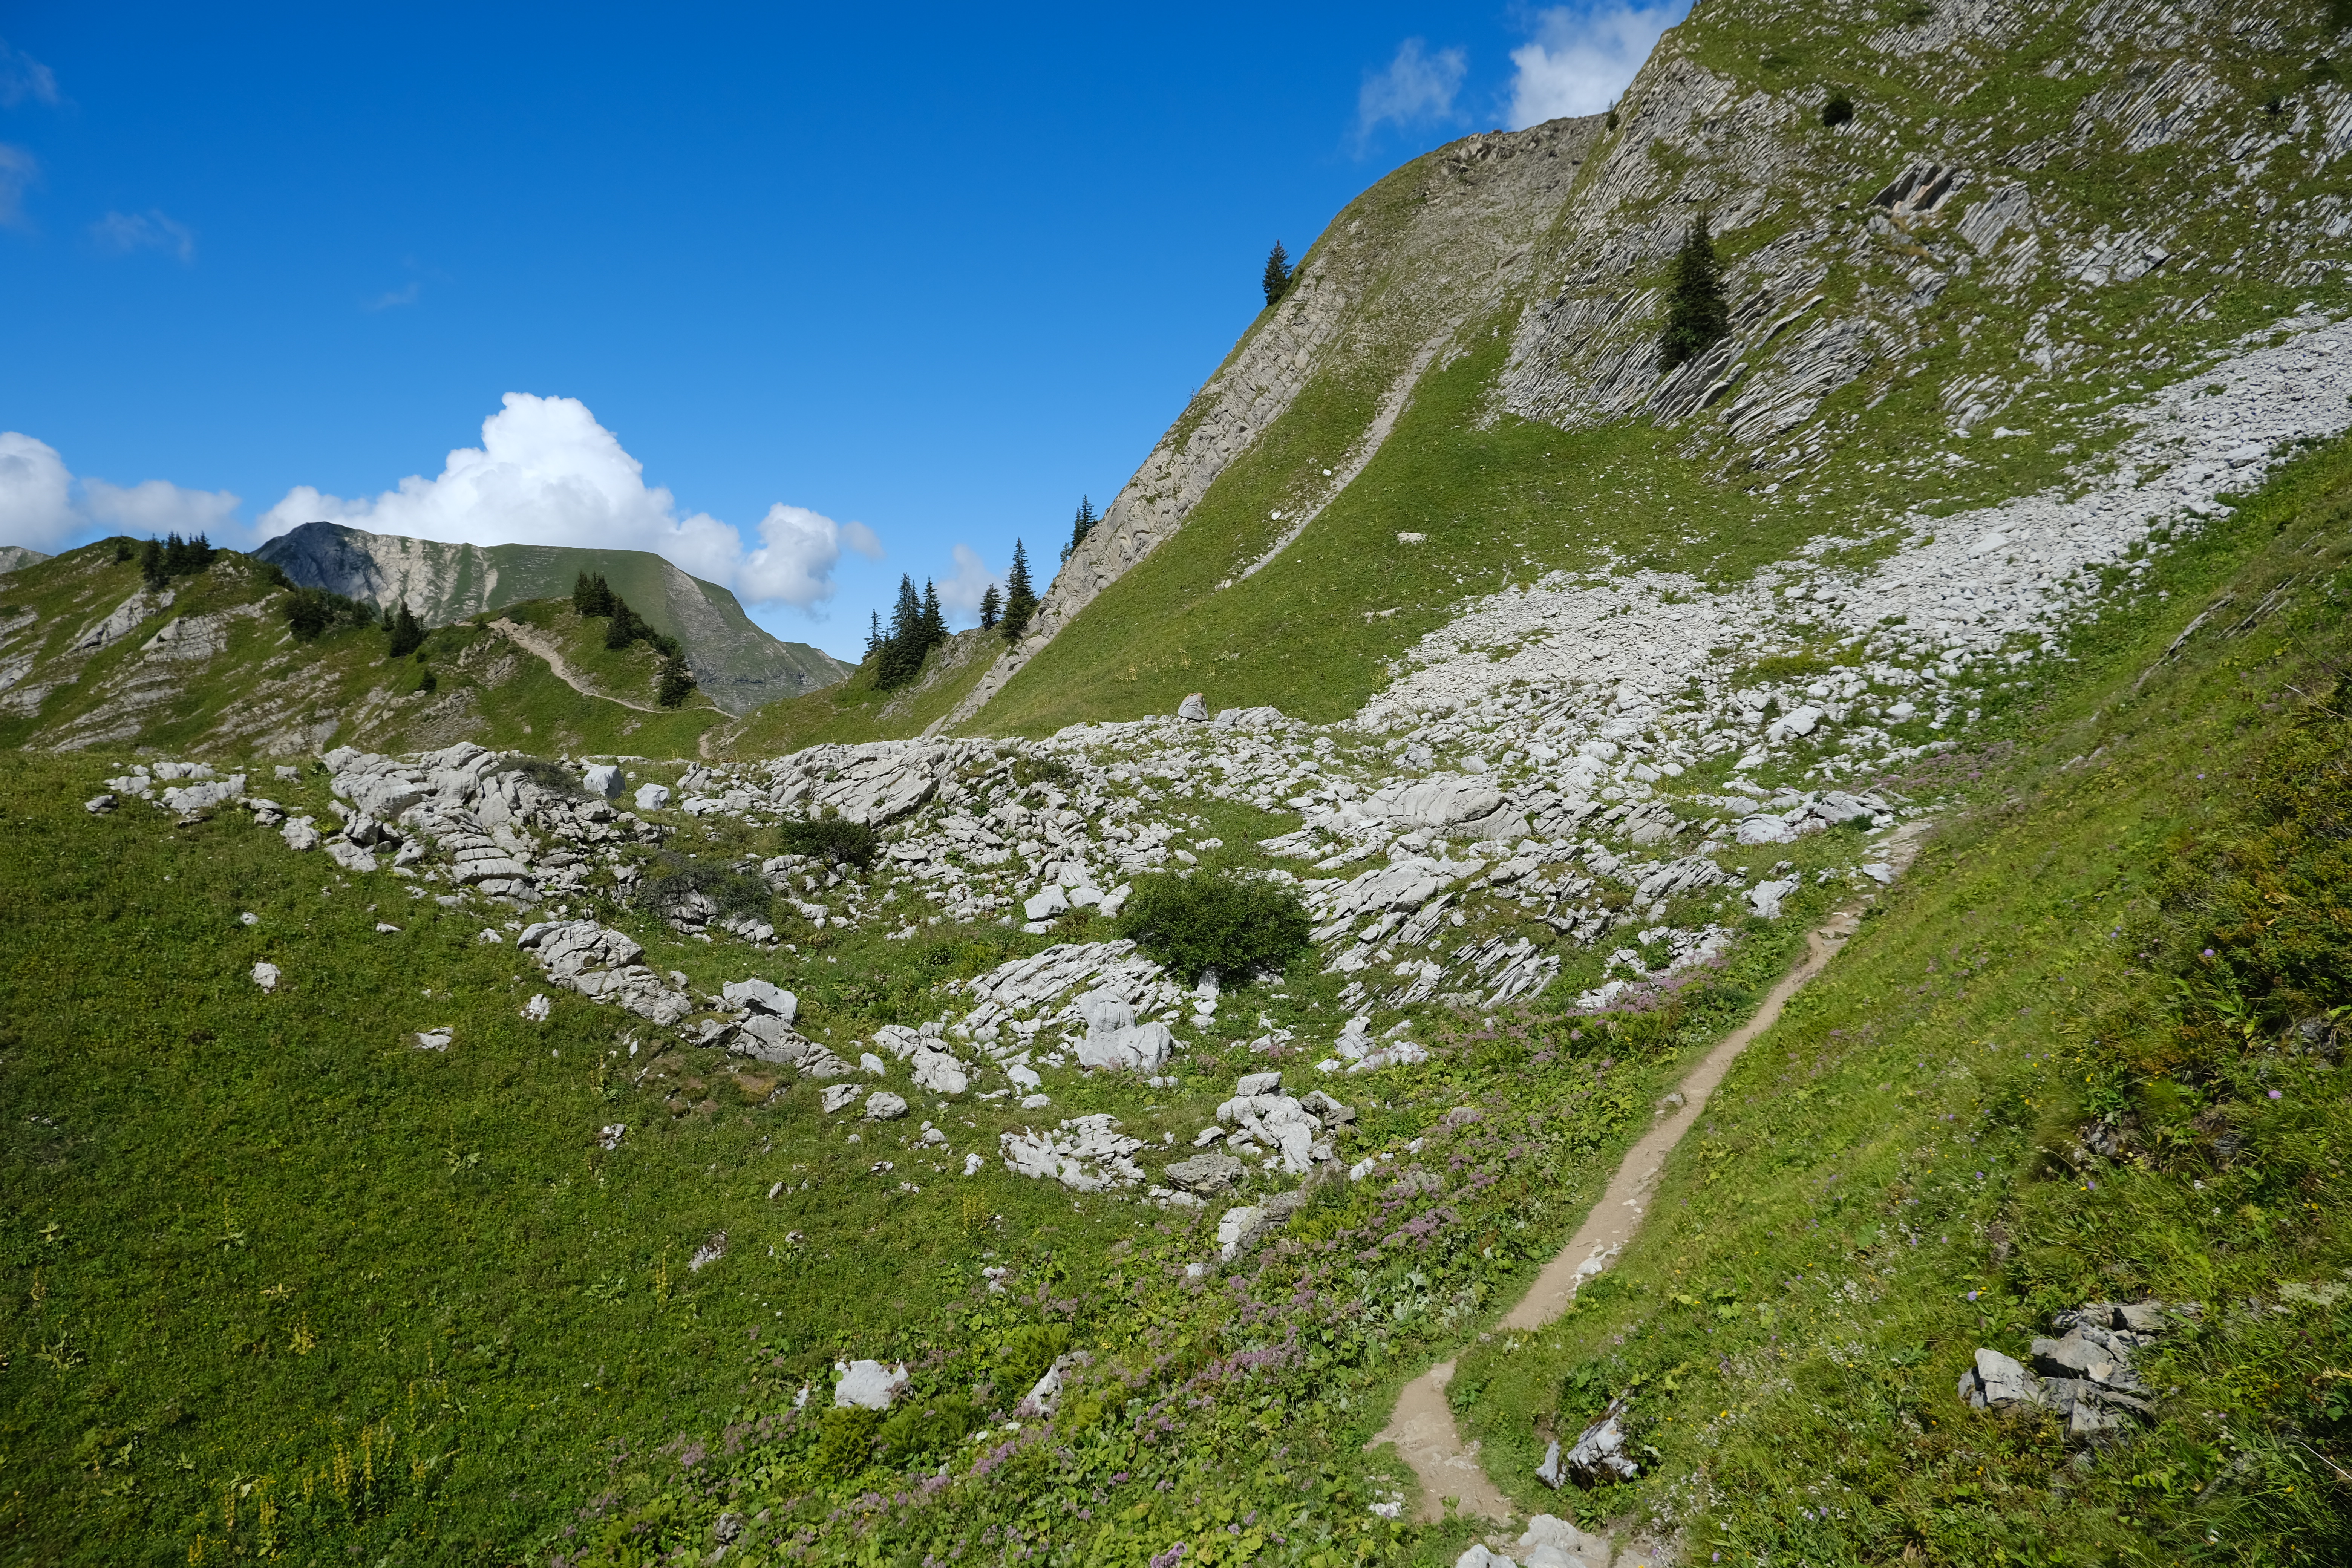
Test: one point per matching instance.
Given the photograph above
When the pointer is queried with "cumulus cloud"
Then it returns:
(23, 77)
(122, 233)
(37, 505)
(156, 507)
(960, 595)
(1580, 60)
(548, 473)
(1418, 88)
(19, 170)
(35, 493)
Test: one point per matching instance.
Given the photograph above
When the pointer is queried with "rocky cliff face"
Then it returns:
(741, 665)
(2035, 220)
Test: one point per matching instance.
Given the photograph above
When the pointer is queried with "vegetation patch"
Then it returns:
(1240, 927)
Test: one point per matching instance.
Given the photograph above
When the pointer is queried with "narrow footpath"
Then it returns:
(1423, 1425)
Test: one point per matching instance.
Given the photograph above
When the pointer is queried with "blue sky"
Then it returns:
(804, 298)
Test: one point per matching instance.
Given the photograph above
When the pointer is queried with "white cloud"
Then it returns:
(123, 233)
(23, 77)
(960, 595)
(37, 506)
(1580, 60)
(36, 499)
(548, 473)
(19, 170)
(798, 550)
(406, 294)
(1418, 88)
(156, 507)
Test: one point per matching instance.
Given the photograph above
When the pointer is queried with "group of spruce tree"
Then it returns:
(161, 560)
(592, 596)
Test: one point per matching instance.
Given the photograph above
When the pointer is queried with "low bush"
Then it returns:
(833, 839)
(311, 613)
(737, 895)
(845, 1444)
(1215, 921)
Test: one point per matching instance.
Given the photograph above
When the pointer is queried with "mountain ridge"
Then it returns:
(737, 662)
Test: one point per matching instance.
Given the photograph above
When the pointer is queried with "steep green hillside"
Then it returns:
(736, 662)
(2034, 219)
(2091, 1052)
(92, 658)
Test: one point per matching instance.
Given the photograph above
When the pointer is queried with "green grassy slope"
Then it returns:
(2143, 897)
(854, 711)
(1501, 497)
(238, 1231)
(252, 689)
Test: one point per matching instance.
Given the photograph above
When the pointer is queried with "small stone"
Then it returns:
(537, 1008)
(99, 804)
(265, 975)
(602, 779)
(884, 1106)
(838, 1095)
(868, 1385)
(1193, 710)
(652, 796)
(1047, 904)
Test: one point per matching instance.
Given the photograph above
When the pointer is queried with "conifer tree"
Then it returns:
(935, 622)
(874, 634)
(407, 636)
(903, 650)
(676, 683)
(1020, 598)
(151, 564)
(1276, 281)
(992, 608)
(1697, 312)
(1080, 526)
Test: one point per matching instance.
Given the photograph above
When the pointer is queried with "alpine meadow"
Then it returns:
(1673, 886)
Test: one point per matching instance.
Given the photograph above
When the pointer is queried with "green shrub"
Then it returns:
(833, 839)
(739, 894)
(926, 1426)
(1023, 1357)
(311, 613)
(677, 683)
(845, 1444)
(1837, 110)
(1215, 921)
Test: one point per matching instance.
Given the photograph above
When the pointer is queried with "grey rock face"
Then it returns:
(2085, 1374)
(765, 995)
(1210, 1172)
(602, 965)
(1598, 1453)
